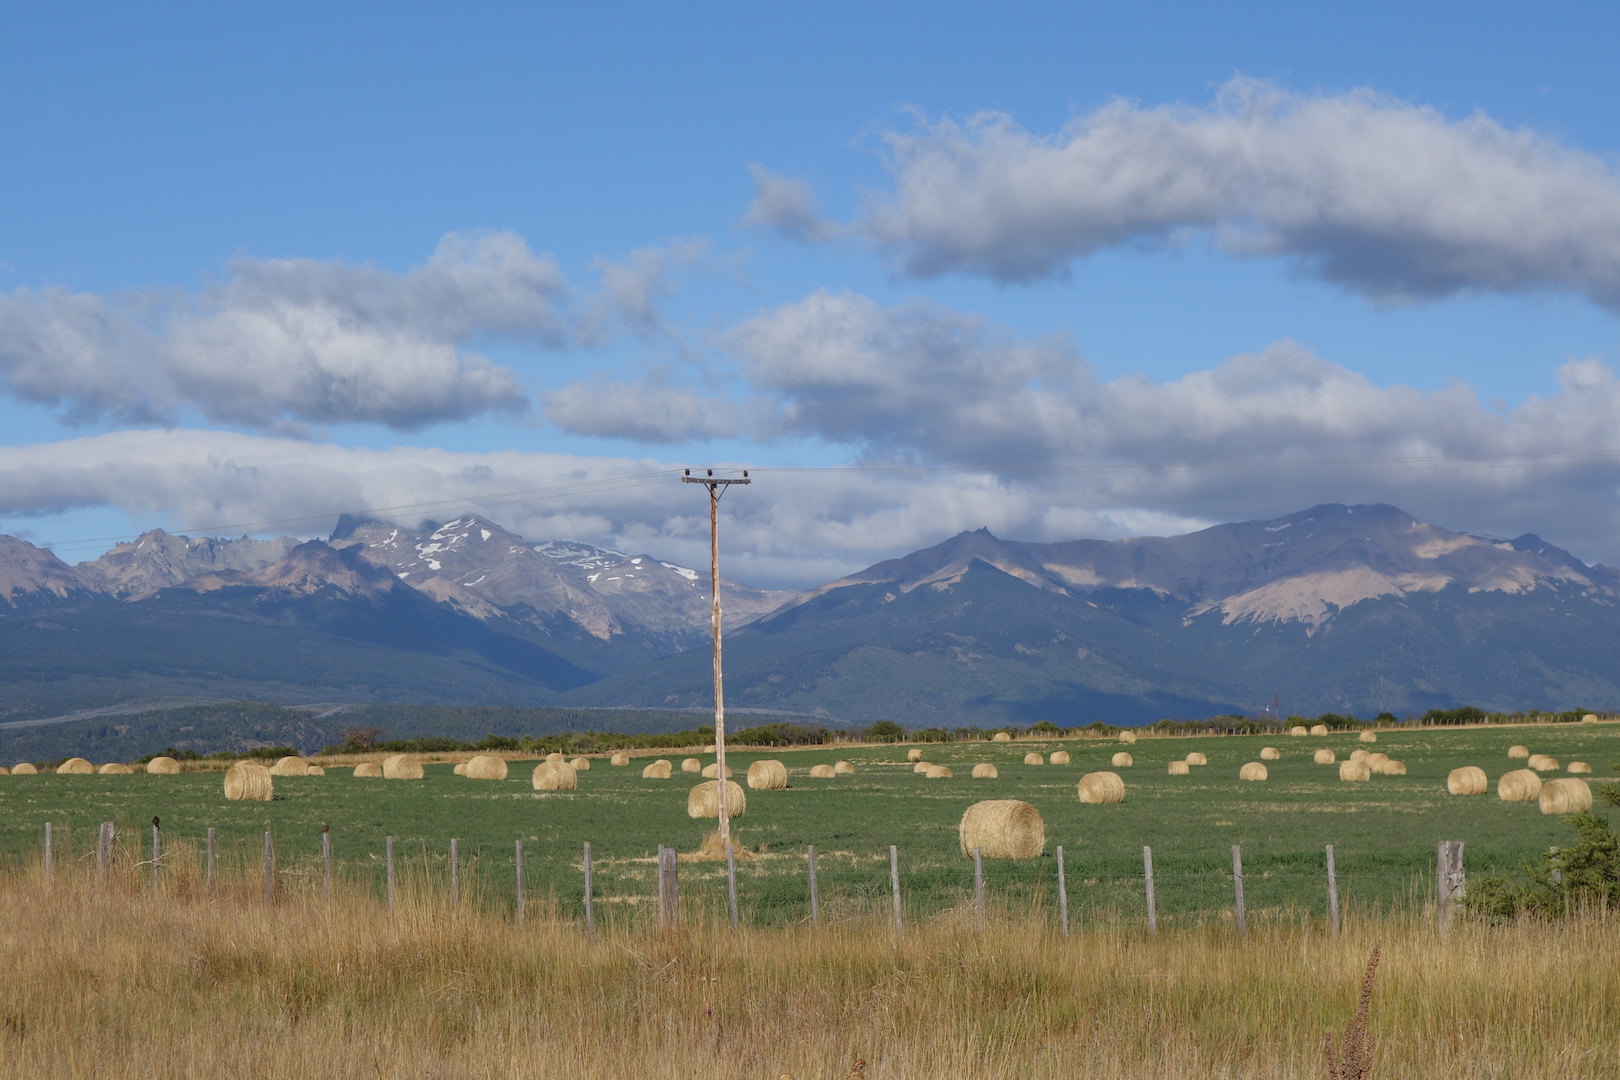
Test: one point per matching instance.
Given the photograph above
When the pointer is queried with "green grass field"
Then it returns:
(1384, 830)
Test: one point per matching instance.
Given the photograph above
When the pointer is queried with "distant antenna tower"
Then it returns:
(1276, 704)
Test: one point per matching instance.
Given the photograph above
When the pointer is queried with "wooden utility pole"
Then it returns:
(716, 486)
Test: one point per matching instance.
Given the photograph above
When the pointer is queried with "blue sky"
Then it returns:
(174, 183)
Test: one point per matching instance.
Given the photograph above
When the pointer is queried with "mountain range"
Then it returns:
(1347, 608)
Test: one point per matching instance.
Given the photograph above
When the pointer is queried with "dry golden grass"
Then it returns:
(300, 989)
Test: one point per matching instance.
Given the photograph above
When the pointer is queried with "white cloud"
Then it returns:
(632, 289)
(286, 341)
(1390, 199)
(787, 206)
(647, 411)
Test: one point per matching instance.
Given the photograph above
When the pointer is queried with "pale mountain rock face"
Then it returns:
(30, 575)
(157, 560)
(308, 568)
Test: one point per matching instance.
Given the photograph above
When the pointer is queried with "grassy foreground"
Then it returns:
(112, 981)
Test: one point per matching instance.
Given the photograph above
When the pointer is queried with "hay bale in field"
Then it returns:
(1579, 766)
(1360, 755)
(1270, 753)
(620, 757)
(405, 767)
(460, 769)
(1565, 796)
(487, 767)
(985, 771)
(556, 756)
(580, 764)
(658, 770)
(1128, 738)
(822, 772)
(1297, 731)
(113, 768)
(163, 766)
(1518, 751)
(1368, 736)
(1122, 760)
(1033, 758)
(23, 768)
(1390, 767)
(843, 768)
(1179, 768)
(691, 764)
(1375, 760)
(1589, 718)
(1059, 757)
(316, 770)
(767, 775)
(1468, 780)
(703, 801)
(1542, 763)
(554, 776)
(1196, 758)
(920, 767)
(914, 754)
(290, 766)
(1319, 729)
(938, 772)
(1001, 736)
(75, 766)
(250, 781)
(368, 768)
(4, 771)
(1325, 756)
(1520, 785)
(1253, 770)
(1354, 770)
(1002, 829)
(1102, 787)
(712, 771)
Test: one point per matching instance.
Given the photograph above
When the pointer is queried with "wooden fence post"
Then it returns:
(519, 872)
(455, 876)
(157, 856)
(669, 893)
(731, 883)
(1147, 875)
(48, 855)
(388, 857)
(978, 885)
(1063, 895)
(894, 883)
(210, 858)
(104, 849)
(1333, 892)
(269, 875)
(326, 862)
(1237, 885)
(590, 896)
(815, 897)
(1451, 881)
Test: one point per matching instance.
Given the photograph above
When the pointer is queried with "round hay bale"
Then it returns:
(1001, 736)
(1319, 729)
(1270, 753)
(985, 771)
(822, 772)
(1179, 768)
(1579, 766)
(460, 769)
(1520, 785)
(316, 770)
(843, 768)
(1033, 758)
(1542, 763)
(914, 754)
(691, 764)
(1360, 755)
(767, 775)
(249, 780)
(1122, 760)
(620, 757)
(405, 767)
(703, 801)
(580, 764)
(712, 771)
(1324, 756)
(1059, 757)
(1589, 718)
(1128, 738)
(1390, 767)
(23, 768)
(163, 766)
(371, 769)
(113, 768)
(658, 770)
(1297, 731)
(664, 761)
(75, 766)
(556, 756)
(1566, 796)
(290, 766)
(1368, 736)
(1002, 829)
(920, 767)
(938, 772)
(487, 767)
(1354, 770)
(1196, 758)
(4, 771)
(1518, 751)
(1102, 787)
(1374, 760)
(554, 776)
(1253, 771)
(1468, 780)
